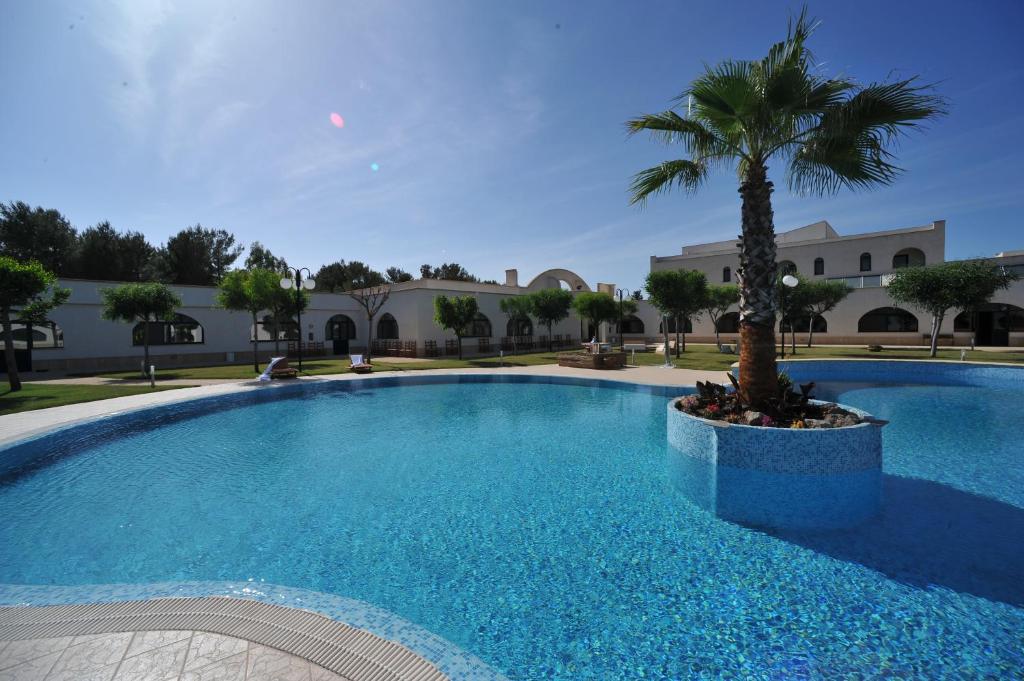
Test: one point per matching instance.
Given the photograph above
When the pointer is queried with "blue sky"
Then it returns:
(496, 127)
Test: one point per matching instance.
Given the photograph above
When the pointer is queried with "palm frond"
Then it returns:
(826, 164)
(671, 128)
(889, 108)
(685, 174)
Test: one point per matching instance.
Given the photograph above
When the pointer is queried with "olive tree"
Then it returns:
(455, 314)
(680, 294)
(22, 288)
(517, 309)
(249, 291)
(595, 308)
(823, 297)
(140, 303)
(719, 300)
(959, 285)
(550, 306)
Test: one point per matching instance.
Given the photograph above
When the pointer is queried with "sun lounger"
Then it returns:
(359, 366)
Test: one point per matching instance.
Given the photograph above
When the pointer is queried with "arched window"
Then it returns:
(726, 274)
(480, 327)
(786, 267)
(387, 327)
(522, 326)
(819, 265)
(44, 335)
(340, 327)
(179, 330)
(729, 323)
(887, 320)
(802, 324)
(286, 329)
(687, 327)
(631, 324)
(908, 257)
(865, 262)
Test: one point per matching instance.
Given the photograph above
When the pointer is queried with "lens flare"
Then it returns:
(337, 120)
(374, 167)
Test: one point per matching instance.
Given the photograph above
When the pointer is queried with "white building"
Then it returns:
(866, 262)
(78, 339)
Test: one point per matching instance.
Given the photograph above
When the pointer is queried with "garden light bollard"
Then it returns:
(152, 375)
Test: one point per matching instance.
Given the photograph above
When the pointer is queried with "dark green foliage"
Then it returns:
(455, 314)
(199, 256)
(396, 275)
(261, 258)
(39, 234)
(449, 271)
(23, 284)
(133, 303)
(341, 276)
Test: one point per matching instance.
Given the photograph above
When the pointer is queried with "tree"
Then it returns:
(637, 295)
(199, 256)
(249, 291)
(681, 294)
(517, 309)
(371, 299)
(396, 275)
(831, 132)
(718, 301)
(823, 297)
(105, 254)
(140, 303)
(340, 277)
(793, 303)
(285, 304)
(550, 306)
(39, 234)
(261, 258)
(449, 271)
(22, 285)
(595, 308)
(936, 289)
(455, 314)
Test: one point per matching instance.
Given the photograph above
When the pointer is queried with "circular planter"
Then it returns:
(779, 477)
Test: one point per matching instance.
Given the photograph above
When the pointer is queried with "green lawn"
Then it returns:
(42, 395)
(704, 357)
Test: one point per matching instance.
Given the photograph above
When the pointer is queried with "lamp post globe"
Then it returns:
(788, 281)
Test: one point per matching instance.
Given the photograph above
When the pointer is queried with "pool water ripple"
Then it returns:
(542, 528)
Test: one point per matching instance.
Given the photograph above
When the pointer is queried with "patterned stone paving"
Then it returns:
(152, 656)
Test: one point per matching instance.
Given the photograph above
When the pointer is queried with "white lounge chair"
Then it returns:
(358, 366)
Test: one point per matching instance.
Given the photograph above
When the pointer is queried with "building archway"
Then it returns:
(729, 323)
(179, 330)
(632, 325)
(908, 257)
(338, 331)
(517, 327)
(991, 323)
(387, 327)
(553, 279)
(687, 327)
(480, 327)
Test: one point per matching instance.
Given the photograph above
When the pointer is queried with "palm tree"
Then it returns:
(830, 132)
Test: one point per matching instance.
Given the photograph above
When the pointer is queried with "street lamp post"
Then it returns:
(788, 281)
(621, 292)
(294, 280)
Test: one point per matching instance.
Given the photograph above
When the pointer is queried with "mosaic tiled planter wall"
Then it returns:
(778, 477)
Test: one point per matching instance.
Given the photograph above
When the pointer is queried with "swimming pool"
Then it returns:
(541, 527)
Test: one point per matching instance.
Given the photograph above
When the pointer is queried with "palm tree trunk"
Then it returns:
(756, 274)
(13, 379)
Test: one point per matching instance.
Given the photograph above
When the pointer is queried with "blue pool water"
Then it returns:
(542, 528)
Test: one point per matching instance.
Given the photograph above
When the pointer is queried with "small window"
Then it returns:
(819, 266)
(726, 274)
(865, 262)
(179, 330)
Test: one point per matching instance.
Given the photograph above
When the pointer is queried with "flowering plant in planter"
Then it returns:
(786, 408)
